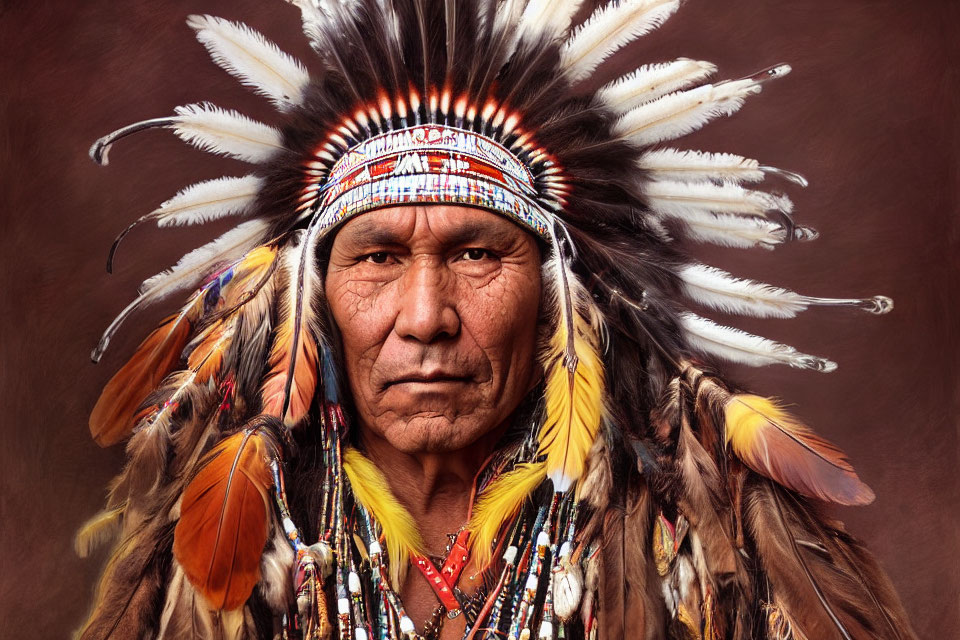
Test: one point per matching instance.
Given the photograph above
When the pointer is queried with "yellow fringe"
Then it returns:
(400, 532)
(98, 530)
(500, 502)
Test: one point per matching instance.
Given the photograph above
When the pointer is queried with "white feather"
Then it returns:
(720, 290)
(673, 164)
(226, 132)
(183, 603)
(651, 81)
(677, 114)
(732, 230)
(254, 60)
(677, 199)
(698, 166)
(609, 29)
(276, 572)
(197, 264)
(739, 346)
(548, 17)
(208, 200)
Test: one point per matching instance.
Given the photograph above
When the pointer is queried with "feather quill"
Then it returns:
(188, 271)
(226, 132)
(653, 81)
(775, 444)
(739, 346)
(223, 520)
(498, 503)
(398, 529)
(609, 29)
(677, 114)
(251, 58)
(694, 166)
(197, 204)
(574, 375)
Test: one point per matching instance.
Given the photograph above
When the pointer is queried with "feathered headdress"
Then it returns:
(484, 104)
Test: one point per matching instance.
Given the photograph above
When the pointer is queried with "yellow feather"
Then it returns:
(500, 502)
(98, 530)
(574, 399)
(399, 531)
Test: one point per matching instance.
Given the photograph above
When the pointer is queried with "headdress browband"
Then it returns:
(431, 164)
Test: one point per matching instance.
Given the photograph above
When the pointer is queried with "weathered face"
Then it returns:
(437, 307)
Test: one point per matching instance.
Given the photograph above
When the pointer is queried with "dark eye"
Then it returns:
(475, 254)
(380, 257)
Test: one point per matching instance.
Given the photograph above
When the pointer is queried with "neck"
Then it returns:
(435, 487)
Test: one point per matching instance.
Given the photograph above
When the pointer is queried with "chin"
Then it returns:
(433, 433)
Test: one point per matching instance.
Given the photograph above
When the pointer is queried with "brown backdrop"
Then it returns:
(868, 116)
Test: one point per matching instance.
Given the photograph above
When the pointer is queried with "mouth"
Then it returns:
(438, 378)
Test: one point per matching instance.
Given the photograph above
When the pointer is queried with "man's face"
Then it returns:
(437, 307)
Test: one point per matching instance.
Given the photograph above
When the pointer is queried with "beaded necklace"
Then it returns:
(349, 563)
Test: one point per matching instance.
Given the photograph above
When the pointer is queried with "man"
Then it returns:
(441, 382)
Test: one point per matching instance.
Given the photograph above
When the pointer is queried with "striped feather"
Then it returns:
(609, 29)
(652, 81)
(226, 132)
(739, 346)
(254, 60)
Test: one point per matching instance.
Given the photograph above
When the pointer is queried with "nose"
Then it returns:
(427, 303)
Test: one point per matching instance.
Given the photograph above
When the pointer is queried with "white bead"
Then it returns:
(343, 606)
(543, 539)
(375, 548)
(546, 630)
(353, 583)
(532, 583)
(406, 625)
(510, 555)
(360, 633)
(288, 526)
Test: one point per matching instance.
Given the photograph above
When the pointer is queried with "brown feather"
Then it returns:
(112, 417)
(223, 520)
(129, 596)
(828, 586)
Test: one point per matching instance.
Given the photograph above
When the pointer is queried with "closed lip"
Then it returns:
(433, 377)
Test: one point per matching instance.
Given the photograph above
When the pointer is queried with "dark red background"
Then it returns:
(868, 115)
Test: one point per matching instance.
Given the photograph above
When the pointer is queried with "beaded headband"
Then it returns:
(431, 164)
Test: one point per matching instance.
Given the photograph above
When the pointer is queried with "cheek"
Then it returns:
(364, 314)
(502, 318)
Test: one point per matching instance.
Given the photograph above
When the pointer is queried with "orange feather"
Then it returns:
(223, 523)
(207, 358)
(112, 417)
(774, 443)
(291, 381)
